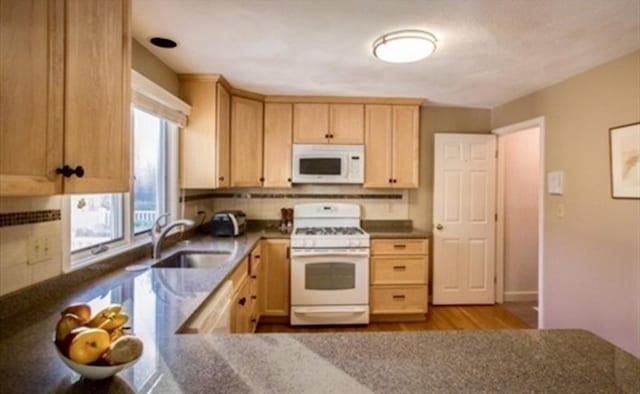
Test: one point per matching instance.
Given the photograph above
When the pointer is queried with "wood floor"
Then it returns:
(438, 318)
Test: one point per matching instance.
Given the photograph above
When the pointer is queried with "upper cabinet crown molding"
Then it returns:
(344, 100)
(79, 51)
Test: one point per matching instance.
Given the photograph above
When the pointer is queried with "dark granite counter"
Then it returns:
(160, 300)
(393, 229)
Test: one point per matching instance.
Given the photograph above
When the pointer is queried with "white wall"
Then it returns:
(521, 185)
(591, 261)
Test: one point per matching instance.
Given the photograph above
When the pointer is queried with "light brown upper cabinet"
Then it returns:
(65, 96)
(392, 146)
(204, 143)
(246, 142)
(278, 120)
(328, 123)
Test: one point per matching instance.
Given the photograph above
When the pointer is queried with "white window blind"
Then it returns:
(154, 99)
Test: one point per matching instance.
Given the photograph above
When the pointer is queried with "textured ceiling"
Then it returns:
(489, 51)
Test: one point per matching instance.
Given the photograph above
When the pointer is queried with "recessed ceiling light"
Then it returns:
(404, 46)
(163, 42)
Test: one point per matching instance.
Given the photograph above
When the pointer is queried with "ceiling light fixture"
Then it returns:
(404, 46)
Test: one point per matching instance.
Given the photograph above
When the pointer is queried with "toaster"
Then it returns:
(228, 223)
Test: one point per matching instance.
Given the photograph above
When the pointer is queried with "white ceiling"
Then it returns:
(489, 51)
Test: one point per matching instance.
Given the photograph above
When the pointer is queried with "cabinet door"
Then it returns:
(97, 94)
(378, 142)
(204, 143)
(31, 94)
(278, 119)
(406, 145)
(310, 123)
(275, 257)
(246, 142)
(346, 124)
(223, 136)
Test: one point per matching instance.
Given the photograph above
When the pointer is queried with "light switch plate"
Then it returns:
(555, 182)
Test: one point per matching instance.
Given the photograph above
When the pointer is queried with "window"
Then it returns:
(149, 193)
(95, 219)
(98, 222)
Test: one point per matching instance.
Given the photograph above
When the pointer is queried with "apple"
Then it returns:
(67, 322)
(64, 345)
(83, 311)
(124, 349)
(89, 345)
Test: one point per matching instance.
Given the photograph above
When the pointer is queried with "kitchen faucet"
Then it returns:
(160, 231)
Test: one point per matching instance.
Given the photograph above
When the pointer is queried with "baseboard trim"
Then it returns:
(515, 296)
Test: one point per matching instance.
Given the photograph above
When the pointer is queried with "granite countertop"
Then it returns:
(160, 300)
(393, 229)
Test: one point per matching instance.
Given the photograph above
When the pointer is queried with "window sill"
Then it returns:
(109, 254)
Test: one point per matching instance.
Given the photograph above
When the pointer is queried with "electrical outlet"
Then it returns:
(38, 249)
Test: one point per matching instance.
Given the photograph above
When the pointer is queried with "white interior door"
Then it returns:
(464, 219)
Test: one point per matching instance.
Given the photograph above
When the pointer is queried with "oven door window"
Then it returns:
(330, 276)
(320, 166)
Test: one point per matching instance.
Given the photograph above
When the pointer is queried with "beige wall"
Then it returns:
(437, 120)
(15, 271)
(591, 261)
(521, 155)
(151, 67)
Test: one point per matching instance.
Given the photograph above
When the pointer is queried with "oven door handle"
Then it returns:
(331, 311)
(333, 253)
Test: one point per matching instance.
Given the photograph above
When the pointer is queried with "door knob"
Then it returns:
(439, 226)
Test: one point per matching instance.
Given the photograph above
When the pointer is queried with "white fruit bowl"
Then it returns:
(95, 372)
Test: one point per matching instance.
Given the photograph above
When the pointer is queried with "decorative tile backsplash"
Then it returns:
(315, 196)
(18, 218)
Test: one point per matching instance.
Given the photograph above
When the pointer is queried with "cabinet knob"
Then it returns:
(289, 180)
(67, 171)
(253, 297)
(261, 179)
(390, 180)
(439, 226)
(254, 277)
(330, 135)
(395, 180)
(221, 178)
(242, 301)
(326, 136)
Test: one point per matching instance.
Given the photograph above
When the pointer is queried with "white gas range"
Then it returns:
(329, 265)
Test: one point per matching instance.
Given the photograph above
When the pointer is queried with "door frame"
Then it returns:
(538, 122)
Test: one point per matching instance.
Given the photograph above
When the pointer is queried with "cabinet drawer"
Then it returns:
(399, 246)
(398, 299)
(398, 270)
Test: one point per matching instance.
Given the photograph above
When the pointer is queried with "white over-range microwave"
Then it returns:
(328, 163)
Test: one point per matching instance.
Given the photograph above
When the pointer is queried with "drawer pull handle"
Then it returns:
(254, 277)
(253, 297)
(400, 246)
(399, 267)
(398, 297)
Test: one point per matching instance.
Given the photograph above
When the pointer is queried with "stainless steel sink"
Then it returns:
(194, 260)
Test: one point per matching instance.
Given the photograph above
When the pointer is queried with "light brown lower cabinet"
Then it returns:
(246, 298)
(399, 277)
(275, 261)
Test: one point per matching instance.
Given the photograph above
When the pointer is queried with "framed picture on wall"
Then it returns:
(624, 144)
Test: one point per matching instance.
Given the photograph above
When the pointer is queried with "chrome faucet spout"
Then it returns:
(159, 232)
